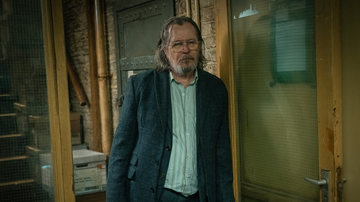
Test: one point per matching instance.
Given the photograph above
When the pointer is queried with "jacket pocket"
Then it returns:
(131, 173)
(132, 167)
(134, 160)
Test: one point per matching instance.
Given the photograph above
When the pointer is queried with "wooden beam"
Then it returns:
(58, 99)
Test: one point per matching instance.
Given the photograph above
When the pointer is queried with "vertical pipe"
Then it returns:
(104, 98)
(197, 11)
(188, 9)
(93, 72)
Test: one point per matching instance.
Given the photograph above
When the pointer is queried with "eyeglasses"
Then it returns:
(178, 46)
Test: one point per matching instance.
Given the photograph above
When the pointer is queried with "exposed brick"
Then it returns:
(209, 42)
(211, 68)
(207, 14)
(206, 3)
(68, 4)
(180, 7)
(210, 55)
(208, 28)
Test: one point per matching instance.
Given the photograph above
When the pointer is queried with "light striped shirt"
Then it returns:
(182, 172)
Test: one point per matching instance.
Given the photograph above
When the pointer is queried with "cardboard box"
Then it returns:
(47, 177)
(89, 171)
(75, 139)
(75, 124)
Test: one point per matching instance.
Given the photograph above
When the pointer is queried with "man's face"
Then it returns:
(186, 60)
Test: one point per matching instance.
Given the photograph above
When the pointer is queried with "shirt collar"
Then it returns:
(194, 81)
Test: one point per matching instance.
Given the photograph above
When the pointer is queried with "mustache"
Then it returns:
(186, 57)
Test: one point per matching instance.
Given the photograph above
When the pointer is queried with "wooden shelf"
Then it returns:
(16, 182)
(4, 115)
(13, 158)
(19, 106)
(10, 136)
(32, 149)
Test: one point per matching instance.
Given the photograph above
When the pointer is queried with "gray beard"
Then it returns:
(179, 71)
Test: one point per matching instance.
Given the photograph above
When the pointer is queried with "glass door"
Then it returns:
(30, 105)
(273, 44)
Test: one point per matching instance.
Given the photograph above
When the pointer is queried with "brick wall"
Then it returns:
(77, 47)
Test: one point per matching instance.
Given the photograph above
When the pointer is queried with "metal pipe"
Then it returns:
(75, 81)
(188, 8)
(197, 11)
(104, 98)
(93, 72)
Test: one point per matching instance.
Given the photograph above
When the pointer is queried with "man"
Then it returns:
(172, 142)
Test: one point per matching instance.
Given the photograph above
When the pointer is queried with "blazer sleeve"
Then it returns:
(122, 147)
(224, 158)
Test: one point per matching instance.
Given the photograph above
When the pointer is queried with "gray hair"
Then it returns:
(162, 62)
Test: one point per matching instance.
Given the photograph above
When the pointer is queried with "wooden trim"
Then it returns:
(63, 100)
(225, 72)
(58, 97)
(328, 57)
(51, 85)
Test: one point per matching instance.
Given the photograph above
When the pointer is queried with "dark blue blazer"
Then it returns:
(142, 143)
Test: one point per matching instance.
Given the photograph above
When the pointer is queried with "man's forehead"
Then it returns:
(172, 32)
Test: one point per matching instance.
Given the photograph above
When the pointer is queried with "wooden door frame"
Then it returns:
(328, 65)
(328, 57)
(58, 98)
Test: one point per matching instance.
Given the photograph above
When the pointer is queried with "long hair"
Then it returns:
(162, 62)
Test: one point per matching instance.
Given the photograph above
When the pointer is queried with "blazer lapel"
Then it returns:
(202, 100)
(163, 99)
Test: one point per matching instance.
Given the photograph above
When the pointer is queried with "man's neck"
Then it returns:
(185, 80)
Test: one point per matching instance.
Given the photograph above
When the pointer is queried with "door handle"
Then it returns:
(317, 182)
(324, 183)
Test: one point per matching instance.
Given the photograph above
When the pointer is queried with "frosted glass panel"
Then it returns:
(276, 99)
(25, 144)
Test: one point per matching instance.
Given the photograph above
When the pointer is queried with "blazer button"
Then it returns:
(157, 163)
(167, 148)
(162, 175)
(152, 190)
